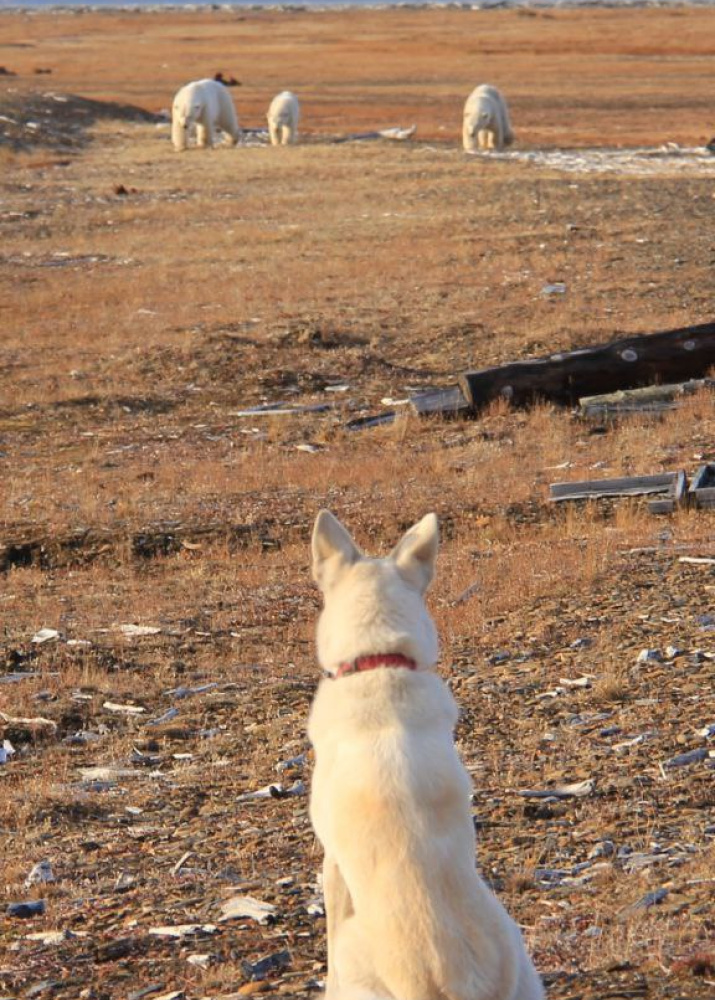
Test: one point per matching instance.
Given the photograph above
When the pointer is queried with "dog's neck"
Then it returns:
(363, 663)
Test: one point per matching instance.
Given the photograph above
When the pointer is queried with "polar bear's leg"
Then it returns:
(483, 138)
(178, 133)
(204, 134)
(469, 141)
(286, 134)
(228, 120)
(273, 131)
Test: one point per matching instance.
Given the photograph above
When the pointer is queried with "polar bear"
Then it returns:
(206, 104)
(486, 120)
(283, 115)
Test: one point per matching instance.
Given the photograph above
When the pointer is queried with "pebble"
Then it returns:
(41, 872)
(276, 962)
(32, 908)
(684, 759)
(649, 656)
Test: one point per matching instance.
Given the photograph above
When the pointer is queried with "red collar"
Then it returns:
(373, 662)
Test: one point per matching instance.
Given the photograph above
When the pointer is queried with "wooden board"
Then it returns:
(670, 356)
(702, 488)
(671, 483)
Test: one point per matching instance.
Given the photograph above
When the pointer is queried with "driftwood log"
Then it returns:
(670, 356)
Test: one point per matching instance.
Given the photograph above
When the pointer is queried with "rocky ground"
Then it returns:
(156, 651)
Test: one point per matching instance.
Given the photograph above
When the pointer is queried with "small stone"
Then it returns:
(649, 656)
(41, 872)
(32, 908)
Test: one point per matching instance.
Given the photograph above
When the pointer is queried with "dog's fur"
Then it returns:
(283, 115)
(408, 917)
(486, 120)
(207, 104)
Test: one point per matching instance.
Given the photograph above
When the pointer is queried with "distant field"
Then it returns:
(147, 299)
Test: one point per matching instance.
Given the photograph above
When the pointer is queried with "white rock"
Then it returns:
(45, 635)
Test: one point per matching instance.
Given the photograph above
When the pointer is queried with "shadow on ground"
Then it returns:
(58, 121)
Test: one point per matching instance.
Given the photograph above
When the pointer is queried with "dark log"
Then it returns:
(670, 356)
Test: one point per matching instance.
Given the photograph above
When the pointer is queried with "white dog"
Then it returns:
(207, 104)
(283, 115)
(486, 120)
(408, 917)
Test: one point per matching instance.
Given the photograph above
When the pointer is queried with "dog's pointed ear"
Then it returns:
(333, 548)
(416, 552)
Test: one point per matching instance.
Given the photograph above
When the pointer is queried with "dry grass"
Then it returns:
(134, 329)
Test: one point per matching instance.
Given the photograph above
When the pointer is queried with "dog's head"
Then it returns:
(374, 606)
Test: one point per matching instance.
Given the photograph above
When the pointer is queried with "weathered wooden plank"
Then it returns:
(669, 356)
(645, 399)
(448, 402)
(677, 496)
(672, 483)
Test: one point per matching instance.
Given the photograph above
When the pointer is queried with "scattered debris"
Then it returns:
(133, 631)
(669, 488)
(376, 420)
(576, 790)
(52, 938)
(396, 134)
(113, 706)
(685, 759)
(7, 750)
(671, 483)
(273, 791)
(440, 402)
(181, 931)
(702, 488)
(646, 399)
(13, 678)
(186, 692)
(644, 903)
(281, 410)
(649, 656)
(32, 908)
(276, 962)
(199, 960)
(107, 773)
(166, 716)
(39, 873)
(31, 724)
(45, 635)
(246, 906)
(585, 681)
(291, 764)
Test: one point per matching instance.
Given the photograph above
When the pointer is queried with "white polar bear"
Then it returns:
(486, 120)
(283, 115)
(206, 104)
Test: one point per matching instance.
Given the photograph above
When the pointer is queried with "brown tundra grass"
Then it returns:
(136, 327)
